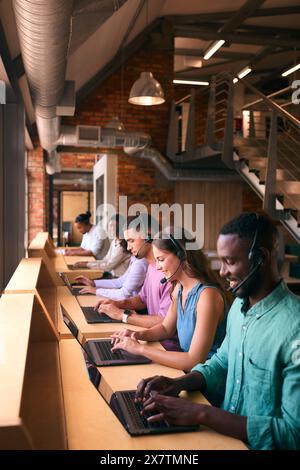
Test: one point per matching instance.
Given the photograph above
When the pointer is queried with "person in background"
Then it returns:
(126, 286)
(256, 371)
(198, 310)
(94, 241)
(117, 259)
(154, 295)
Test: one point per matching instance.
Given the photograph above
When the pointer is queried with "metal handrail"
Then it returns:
(272, 104)
(276, 93)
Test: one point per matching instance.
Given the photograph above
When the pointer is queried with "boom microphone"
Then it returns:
(149, 240)
(165, 279)
(249, 276)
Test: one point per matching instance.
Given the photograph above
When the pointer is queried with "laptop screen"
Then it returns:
(65, 280)
(69, 322)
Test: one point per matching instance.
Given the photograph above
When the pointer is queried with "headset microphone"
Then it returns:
(148, 240)
(253, 271)
(255, 257)
(165, 279)
(181, 255)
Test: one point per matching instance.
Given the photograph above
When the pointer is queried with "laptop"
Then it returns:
(72, 289)
(99, 351)
(72, 267)
(92, 316)
(128, 412)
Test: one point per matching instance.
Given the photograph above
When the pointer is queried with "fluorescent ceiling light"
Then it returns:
(190, 82)
(235, 80)
(291, 70)
(212, 49)
(244, 72)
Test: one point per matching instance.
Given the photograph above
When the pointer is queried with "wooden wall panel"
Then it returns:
(222, 201)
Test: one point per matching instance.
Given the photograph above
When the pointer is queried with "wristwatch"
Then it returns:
(126, 314)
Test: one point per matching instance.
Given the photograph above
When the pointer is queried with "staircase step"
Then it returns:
(293, 250)
(295, 270)
(287, 261)
(290, 201)
(289, 187)
(257, 163)
(281, 174)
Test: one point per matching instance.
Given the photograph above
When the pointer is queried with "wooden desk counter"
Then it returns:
(61, 266)
(100, 330)
(70, 259)
(31, 397)
(92, 425)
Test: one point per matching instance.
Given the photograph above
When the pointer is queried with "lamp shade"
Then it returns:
(146, 91)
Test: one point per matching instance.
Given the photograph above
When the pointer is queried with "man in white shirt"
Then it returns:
(94, 241)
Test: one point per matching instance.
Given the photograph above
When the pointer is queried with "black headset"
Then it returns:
(255, 254)
(181, 255)
(180, 251)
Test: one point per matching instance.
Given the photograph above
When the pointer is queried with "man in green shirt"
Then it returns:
(256, 371)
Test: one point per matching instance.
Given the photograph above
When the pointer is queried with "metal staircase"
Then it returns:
(267, 155)
(203, 144)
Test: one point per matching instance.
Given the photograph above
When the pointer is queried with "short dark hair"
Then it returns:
(246, 224)
(144, 223)
(84, 218)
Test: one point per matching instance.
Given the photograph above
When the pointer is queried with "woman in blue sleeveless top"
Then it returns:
(198, 311)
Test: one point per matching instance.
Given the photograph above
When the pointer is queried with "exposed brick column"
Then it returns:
(36, 192)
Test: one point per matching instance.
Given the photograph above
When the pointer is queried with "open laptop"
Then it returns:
(72, 289)
(99, 350)
(92, 316)
(72, 267)
(123, 404)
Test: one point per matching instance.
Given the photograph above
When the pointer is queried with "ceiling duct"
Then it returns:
(99, 137)
(185, 174)
(44, 33)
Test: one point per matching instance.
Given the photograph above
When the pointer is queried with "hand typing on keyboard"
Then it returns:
(130, 345)
(159, 384)
(176, 411)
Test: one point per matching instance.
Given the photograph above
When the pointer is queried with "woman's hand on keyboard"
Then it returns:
(128, 344)
(119, 335)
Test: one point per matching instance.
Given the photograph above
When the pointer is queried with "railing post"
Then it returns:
(211, 116)
(227, 154)
(269, 202)
(252, 134)
(190, 144)
(173, 137)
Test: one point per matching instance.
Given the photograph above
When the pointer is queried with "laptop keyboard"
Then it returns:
(134, 409)
(104, 351)
(92, 315)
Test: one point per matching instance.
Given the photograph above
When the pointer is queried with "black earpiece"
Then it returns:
(255, 254)
(180, 251)
(256, 258)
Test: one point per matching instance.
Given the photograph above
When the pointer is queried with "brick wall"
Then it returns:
(36, 192)
(136, 178)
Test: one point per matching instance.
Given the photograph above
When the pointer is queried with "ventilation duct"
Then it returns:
(184, 174)
(44, 34)
(99, 137)
(52, 163)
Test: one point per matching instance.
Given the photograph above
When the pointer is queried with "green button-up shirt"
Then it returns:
(257, 369)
